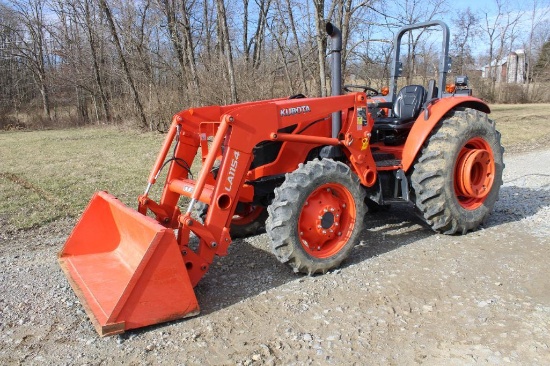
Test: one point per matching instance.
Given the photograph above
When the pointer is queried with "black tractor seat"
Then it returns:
(393, 129)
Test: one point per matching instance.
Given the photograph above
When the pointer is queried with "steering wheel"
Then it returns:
(373, 92)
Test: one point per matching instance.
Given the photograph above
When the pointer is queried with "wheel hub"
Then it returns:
(321, 219)
(328, 221)
(474, 173)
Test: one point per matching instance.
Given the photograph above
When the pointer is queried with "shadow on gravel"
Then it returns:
(517, 203)
(249, 270)
(245, 272)
(387, 231)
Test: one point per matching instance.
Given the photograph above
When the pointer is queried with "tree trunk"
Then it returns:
(44, 92)
(260, 32)
(195, 96)
(246, 47)
(114, 34)
(206, 30)
(224, 32)
(97, 70)
(301, 68)
(175, 38)
(285, 63)
(321, 44)
(346, 27)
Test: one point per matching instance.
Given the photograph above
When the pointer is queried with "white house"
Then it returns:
(511, 69)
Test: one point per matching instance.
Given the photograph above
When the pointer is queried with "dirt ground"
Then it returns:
(405, 296)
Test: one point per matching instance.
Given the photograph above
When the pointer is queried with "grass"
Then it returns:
(523, 126)
(47, 175)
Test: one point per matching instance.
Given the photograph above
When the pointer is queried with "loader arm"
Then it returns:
(235, 131)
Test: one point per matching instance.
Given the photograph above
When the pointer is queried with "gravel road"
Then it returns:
(405, 296)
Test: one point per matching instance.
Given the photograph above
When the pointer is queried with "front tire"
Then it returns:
(316, 216)
(457, 177)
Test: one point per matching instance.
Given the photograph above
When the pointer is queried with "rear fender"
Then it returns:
(422, 128)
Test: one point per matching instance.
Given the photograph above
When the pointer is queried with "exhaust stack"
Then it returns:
(336, 74)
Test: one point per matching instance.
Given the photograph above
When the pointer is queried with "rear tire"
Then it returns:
(316, 216)
(248, 219)
(457, 177)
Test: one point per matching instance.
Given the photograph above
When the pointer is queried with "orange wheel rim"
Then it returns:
(474, 173)
(326, 221)
(247, 214)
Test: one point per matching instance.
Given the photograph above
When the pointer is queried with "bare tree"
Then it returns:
(320, 39)
(31, 44)
(498, 29)
(169, 9)
(93, 43)
(280, 40)
(226, 48)
(538, 14)
(256, 43)
(416, 11)
(541, 69)
(297, 47)
(16, 84)
(147, 58)
(190, 52)
(103, 4)
(466, 26)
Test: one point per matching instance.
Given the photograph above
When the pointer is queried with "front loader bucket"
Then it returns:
(126, 268)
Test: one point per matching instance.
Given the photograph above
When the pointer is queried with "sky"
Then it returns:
(475, 4)
(516, 7)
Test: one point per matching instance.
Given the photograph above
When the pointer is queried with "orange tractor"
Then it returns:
(305, 169)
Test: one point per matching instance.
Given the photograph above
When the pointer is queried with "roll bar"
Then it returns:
(444, 62)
